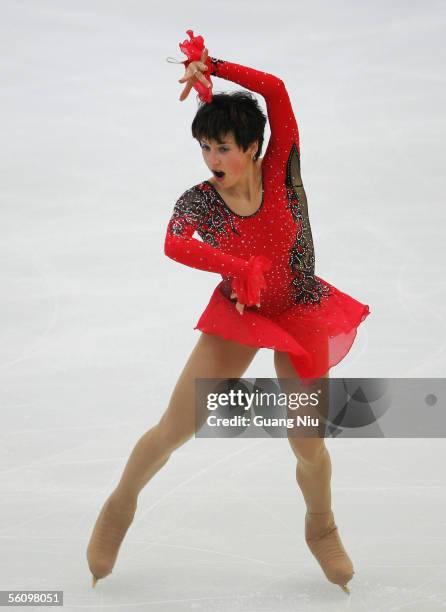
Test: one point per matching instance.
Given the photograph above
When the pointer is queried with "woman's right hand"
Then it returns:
(193, 73)
(240, 307)
(249, 282)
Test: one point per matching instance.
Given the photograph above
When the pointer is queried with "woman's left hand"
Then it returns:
(194, 72)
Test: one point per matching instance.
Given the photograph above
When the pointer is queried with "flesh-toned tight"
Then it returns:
(313, 469)
(212, 357)
(313, 475)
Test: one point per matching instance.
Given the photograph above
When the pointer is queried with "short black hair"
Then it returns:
(237, 112)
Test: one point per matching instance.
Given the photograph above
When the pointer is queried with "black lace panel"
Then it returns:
(199, 207)
(306, 288)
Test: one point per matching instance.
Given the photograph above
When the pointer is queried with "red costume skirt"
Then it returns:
(316, 336)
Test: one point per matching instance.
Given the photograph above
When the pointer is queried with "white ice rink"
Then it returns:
(97, 323)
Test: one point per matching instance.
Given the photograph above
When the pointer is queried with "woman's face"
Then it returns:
(228, 158)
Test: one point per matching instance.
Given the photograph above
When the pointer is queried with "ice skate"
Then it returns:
(108, 533)
(322, 537)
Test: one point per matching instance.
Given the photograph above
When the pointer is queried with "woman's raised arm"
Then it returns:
(283, 124)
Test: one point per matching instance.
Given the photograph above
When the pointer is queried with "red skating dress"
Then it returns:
(299, 313)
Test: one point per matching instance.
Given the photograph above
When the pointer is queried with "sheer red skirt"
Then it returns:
(315, 338)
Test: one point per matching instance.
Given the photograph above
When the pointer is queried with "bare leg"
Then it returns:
(313, 475)
(212, 357)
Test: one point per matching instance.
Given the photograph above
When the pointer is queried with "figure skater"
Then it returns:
(252, 217)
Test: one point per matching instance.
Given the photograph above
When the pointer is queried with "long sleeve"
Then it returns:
(283, 125)
(179, 244)
(188, 216)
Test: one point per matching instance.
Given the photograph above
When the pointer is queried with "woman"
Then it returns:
(253, 220)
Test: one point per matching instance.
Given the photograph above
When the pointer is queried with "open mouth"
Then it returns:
(218, 174)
